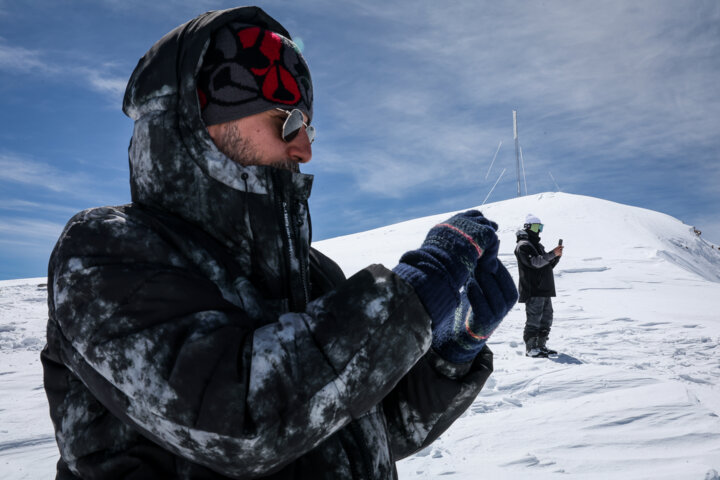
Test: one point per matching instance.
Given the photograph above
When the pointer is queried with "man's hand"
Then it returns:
(447, 257)
(558, 251)
(486, 300)
(466, 236)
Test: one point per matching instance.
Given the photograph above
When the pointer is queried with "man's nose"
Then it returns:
(299, 148)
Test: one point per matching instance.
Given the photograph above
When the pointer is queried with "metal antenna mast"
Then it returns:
(517, 150)
(522, 167)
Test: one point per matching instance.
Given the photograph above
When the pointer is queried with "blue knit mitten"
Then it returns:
(485, 300)
(447, 257)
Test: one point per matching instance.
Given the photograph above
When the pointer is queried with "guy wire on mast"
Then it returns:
(493, 187)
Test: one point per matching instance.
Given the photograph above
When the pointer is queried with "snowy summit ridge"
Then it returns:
(634, 394)
(590, 228)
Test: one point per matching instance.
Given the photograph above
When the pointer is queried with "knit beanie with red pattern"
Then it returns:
(247, 70)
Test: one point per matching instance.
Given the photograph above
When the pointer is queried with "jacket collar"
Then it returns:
(527, 235)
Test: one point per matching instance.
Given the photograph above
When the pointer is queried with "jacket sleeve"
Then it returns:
(555, 260)
(158, 346)
(430, 398)
(531, 258)
(432, 395)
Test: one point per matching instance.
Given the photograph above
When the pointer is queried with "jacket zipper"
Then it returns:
(304, 272)
(292, 252)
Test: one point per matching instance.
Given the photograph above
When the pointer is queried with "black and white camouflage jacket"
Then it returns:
(195, 334)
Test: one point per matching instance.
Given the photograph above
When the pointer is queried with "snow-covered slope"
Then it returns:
(635, 393)
(27, 444)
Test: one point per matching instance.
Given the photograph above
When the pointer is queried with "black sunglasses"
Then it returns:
(293, 123)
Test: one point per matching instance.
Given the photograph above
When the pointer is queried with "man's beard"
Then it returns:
(240, 150)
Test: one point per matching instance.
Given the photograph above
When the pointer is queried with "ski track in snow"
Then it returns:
(634, 393)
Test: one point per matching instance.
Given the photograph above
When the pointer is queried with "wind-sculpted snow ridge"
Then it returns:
(634, 394)
(697, 258)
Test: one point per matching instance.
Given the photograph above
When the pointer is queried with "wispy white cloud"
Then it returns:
(17, 205)
(23, 170)
(28, 232)
(97, 75)
(22, 60)
(104, 82)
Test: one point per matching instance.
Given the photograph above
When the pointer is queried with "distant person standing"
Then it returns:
(537, 286)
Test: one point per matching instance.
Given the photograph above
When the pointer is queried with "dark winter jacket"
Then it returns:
(535, 266)
(194, 334)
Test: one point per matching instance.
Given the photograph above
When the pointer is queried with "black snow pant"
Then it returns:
(539, 314)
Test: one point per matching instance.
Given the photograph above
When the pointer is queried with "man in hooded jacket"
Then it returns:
(536, 286)
(195, 334)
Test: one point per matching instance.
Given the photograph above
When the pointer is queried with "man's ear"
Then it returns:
(214, 132)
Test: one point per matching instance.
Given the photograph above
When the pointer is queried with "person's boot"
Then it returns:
(532, 348)
(542, 340)
(543, 347)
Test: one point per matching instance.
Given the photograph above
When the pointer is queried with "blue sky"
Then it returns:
(615, 99)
